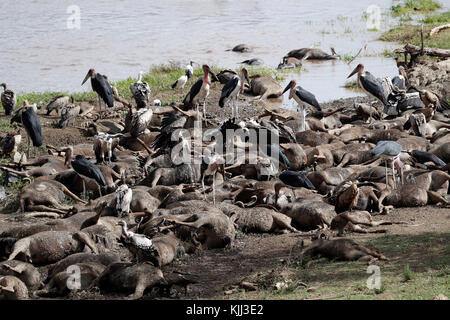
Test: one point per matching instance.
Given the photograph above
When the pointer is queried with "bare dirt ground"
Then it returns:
(219, 270)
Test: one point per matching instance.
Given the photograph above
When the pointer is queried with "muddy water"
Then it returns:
(39, 52)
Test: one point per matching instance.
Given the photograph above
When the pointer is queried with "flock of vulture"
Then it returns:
(133, 209)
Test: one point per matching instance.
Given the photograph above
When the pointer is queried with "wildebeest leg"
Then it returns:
(372, 196)
(73, 196)
(41, 207)
(393, 175)
(139, 291)
(435, 198)
(83, 237)
(54, 215)
(386, 166)
(214, 188)
(28, 147)
(203, 187)
(84, 189)
(344, 161)
(383, 195)
(156, 177)
(370, 252)
(283, 225)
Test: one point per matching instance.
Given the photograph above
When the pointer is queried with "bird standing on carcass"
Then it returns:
(231, 91)
(371, 85)
(199, 92)
(104, 145)
(139, 244)
(140, 121)
(32, 125)
(390, 150)
(68, 112)
(141, 92)
(9, 99)
(123, 197)
(84, 167)
(57, 103)
(300, 95)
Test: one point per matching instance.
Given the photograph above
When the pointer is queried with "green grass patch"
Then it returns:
(319, 278)
(407, 273)
(159, 78)
(352, 84)
(415, 7)
(443, 17)
(411, 34)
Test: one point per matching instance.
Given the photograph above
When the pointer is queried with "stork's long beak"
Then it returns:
(353, 72)
(85, 78)
(246, 77)
(287, 88)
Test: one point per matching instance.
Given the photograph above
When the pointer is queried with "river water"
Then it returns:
(38, 52)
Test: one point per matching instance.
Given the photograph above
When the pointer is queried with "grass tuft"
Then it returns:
(415, 7)
(407, 273)
(411, 34)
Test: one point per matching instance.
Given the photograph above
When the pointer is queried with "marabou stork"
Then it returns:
(423, 156)
(400, 80)
(138, 244)
(9, 99)
(84, 167)
(231, 91)
(296, 179)
(390, 150)
(225, 75)
(140, 91)
(123, 197)
(210, 165)
(57, 103)
(101, 86)
(166, 140)
(32, 125)
(300, 95)
(199, 92)
(371, 85)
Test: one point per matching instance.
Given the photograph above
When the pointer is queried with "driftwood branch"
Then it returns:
(435, 52)
(439, 28)
(355, 56)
